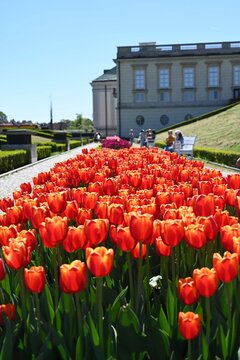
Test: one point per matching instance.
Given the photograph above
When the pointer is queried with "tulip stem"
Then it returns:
(55, 267)
(173, 265)
(130, 279)
(208, 318)
(99, 282)
(189, 350)
(139, 289)
(23, 301)
(79, 322)
(228, 288)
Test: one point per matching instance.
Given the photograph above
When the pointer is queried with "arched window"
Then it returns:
(140, 120)
(164, 119)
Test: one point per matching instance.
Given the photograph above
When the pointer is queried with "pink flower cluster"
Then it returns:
(115, 142)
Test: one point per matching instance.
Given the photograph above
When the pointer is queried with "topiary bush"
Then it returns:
(12, 159)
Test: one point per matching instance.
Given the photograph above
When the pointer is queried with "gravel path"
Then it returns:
(11, 181)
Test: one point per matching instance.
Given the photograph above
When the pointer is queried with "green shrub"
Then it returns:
(12, 159)
(43, 152)
(225, 157)
(58, 147)
(75, 143)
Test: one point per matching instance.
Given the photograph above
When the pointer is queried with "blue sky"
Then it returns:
(55, 48)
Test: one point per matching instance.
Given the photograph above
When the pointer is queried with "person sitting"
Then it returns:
(179, 141)
(170, 141)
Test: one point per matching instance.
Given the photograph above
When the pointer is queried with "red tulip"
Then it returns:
(73, 277)
(16, 254)
(233, 181)
(187, 291)
(53, 231)
(141, 226)
(89, 200)
(161, 248)
(172, 232)
(229, 196)
(15, 214)
(71, 210)
(26, 188)
(5, 203)
(116, 214)
(136, 251)
(96, 231)
(110, 186)
(9, 311)
(189, 324)
(39, 214)
(57, 201)
(227, 233)
(35, 279)
(82, 215)
(206, 281)
(226, 266)
(76, 194)
(7, 232)
(101, 210)
(195, 236)
(99, 260)
(125, 240)
(30, 236)
(204, 205)
(75, 239)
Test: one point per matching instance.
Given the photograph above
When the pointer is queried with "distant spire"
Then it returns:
(51, 114)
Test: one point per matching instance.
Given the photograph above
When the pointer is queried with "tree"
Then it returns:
(3, 118)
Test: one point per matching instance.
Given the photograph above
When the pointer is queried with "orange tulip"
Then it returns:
(99, 260)
(226, 266)
(76, 194)
(195, 236)
(96, 231)
(35, 279)
(204, 205)
(116, 214)
(136, 251)
(227, 233)
(15, 214)
(172, 232)
(9, 311)
(30, 236)
(210, 226)
(26, 188)
(233, 181)
(161, 248)
(229, 197)
(82, 215)
(73, 277)
(236, 246)
(124, 239)
(16, 254)
(5, 203)
(189, 324)
(95, 187)
(57, 201)
(187, 291)
(206, 281)
(71, 210)
(7, 232)
(101, 209)
(89, 200)
(110, 186)
(53, 231)
(141, 226)
(75, 239)
(39, 214)
(205, 187)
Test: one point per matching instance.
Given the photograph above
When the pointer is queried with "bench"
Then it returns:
(187, 148)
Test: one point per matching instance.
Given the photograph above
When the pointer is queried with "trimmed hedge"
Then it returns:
(75, 143)
(43, 152)
(12, 159)
(221, 157)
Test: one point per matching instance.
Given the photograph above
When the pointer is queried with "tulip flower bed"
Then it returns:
(121, 254)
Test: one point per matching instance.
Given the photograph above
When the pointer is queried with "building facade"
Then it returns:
(161, 85)
(105, 102)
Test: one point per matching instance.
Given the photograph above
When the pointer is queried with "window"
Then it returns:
(140, 120)
(188, 95)
(188, 77)
(236, 75)
(139, 97)
(213, 95)
(164, 96)
(139, 79)
(164, 119)
(213, 76)
(164, 78)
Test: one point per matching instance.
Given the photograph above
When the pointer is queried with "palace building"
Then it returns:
(154, 86)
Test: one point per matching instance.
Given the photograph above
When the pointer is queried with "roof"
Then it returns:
(108, 75)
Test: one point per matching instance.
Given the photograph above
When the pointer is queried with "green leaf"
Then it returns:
(49, 303)
(7, 345)
(224, 344)
(128, 317)
(204, 347)
(79, 354)
(118, 303)
(163, 322)
(93, 330)
(171, 307)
